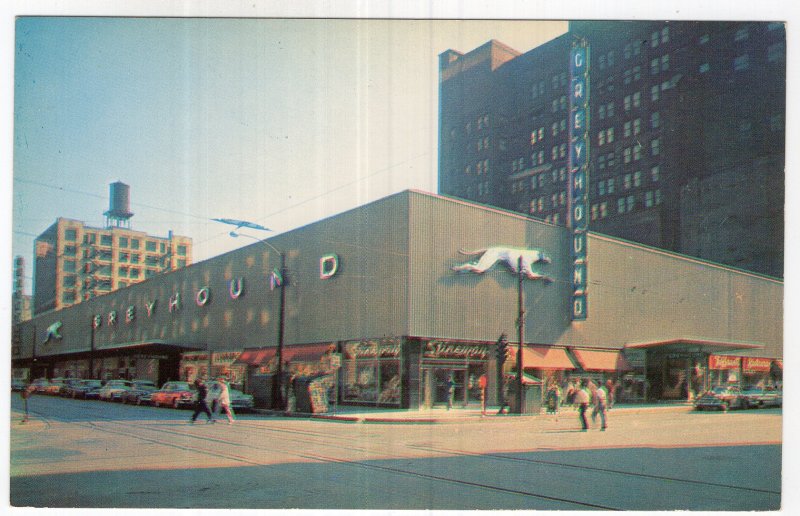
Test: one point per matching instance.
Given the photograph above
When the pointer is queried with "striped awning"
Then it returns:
(601, 360)
(542, 357)
(256, 356)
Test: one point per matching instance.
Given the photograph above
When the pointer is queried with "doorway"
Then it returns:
(436, 386)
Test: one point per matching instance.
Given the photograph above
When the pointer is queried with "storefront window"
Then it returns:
(371, 372)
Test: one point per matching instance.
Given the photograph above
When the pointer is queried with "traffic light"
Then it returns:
(502, 348)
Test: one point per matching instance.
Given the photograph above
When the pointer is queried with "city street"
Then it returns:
(75, 453)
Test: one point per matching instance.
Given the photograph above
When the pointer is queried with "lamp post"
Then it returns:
(277, 390)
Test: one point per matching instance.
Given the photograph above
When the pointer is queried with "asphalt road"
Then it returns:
(93, 454)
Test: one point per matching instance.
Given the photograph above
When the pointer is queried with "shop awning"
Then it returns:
(601, 360)
(695, 345)
(543, 357)
(309, 353)
(256, 356)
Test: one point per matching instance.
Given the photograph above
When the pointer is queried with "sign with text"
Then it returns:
(578, 166)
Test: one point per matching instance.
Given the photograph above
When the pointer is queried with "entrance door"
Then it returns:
(442, 378)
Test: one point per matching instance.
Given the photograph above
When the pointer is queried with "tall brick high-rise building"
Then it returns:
(686, 129)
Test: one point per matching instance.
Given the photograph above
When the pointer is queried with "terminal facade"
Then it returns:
(402, 294)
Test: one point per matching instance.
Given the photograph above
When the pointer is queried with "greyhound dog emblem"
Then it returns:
(53, 332)
(509, 256)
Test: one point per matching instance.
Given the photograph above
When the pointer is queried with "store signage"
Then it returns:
(224, 357)
(328, 266)
(236, 288)
(723, 362)
(371, 349)
(578, 167)
(203, 296)
(130, 314)
(151, 308)
(436, 349)
(174, 302)
(112, 318)
(756, 365)
(512, 257)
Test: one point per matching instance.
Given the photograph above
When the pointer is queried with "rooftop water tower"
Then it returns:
(119, 211)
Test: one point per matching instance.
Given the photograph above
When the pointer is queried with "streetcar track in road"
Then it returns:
(301, 436)
(334, 460)
(501, 457)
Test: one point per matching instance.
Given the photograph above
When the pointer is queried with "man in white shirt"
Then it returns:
(600, 403)
(582, 401)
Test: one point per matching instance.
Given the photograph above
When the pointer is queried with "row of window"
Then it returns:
(603, 187)
(71, 235)
(625, 204)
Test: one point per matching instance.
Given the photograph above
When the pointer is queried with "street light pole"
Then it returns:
(521, 335)
(277, 385)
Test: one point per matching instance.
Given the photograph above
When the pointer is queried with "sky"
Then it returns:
(277, 121)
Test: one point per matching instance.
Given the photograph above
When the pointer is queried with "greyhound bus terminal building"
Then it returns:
(402, 294)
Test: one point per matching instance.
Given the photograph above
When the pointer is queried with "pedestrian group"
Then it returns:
(211, 400)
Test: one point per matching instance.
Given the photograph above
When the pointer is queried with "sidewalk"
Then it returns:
(442, 415)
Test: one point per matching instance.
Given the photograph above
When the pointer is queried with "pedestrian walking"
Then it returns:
(582, 401)
(224, 399)
(451, 391)
(553, 395)
(26, 393)
(600, 400)
(201, 405)
(611, 392)
(482, 383)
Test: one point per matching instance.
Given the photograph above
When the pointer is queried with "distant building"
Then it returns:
(20, 302)
(686, 134)
(76, 262)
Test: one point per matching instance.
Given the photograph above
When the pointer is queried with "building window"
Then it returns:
(68, 297)
(654, 66)
(68, 266)
(610, 185)
(123, 241)
(704, 39)
(630, 202)
(135, 258)
(106, 240)
(181, 263)
(601, 188)
(655, 120)
(626, 155)
(637, 73)
(655, 174)
(741, 34)
(603, 209)
(776, 123)
(741, 63)
(601, 162)
(562, 149)
(122, 271)
(658, 197)
(70, 235)
(68, 281)
(626, 129)
(648, 199)
(626, 182)
(610, 159)
(637, 178)
(150, 246)
(664, 35)
(89, 238)
(776, 53)
(134, 243)
(70, 250)
(665, 62)
(104, 270)
(626, 103)
(621, 205)
(704, 68)
(637, 126)
(637, 99)
(654, 38)
(637, 151)
(654, 93)
(655, 147)
(134, 273)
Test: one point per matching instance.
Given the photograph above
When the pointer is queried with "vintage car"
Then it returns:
(18, 384)
(721, 398)
(66, 385)
(240, 401)
(173, 394)
(756, 397)
(39, 385)
(113, 390)
(53, 387)
(139, 388)
(79, 389)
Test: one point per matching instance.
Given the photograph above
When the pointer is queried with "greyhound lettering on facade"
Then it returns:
(508, 256)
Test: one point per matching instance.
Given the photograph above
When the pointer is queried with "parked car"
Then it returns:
(79, 389)
(18, 384)
(138, 389)
(721, 398)
(54, 386)
(67, 385)
(173, 394)
(40, 384)
(240, 402)
(113, 390)
(756, 397)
